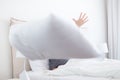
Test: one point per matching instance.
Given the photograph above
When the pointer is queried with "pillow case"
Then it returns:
(54, 63)
(54, 37)
(39, 65)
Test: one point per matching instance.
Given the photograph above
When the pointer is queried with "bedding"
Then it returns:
(53, 35)
(94, 68)
(87, 69)
(39, 65)
(46, 64)
(42, 65)
(37, 76)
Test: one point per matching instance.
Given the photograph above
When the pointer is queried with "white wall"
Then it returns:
(5, 52)
(29, 9)
(95, 28)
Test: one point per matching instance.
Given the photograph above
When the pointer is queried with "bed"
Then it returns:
(47, 75)
(75, 69)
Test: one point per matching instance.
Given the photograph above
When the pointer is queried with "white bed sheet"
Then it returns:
(105, 68)
(37, 76)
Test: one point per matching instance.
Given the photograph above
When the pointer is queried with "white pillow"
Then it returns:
(76, 62)
(52, 37)
(39, 65)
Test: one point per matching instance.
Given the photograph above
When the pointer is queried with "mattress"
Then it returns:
(37, 76)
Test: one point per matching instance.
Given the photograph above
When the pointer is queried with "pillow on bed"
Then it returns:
(76, 62)
(39, 65)
(54, 37)
(54, 63)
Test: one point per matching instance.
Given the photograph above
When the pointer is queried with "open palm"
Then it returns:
(81, 20)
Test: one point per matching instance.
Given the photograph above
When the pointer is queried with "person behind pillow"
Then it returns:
(55, 63)
(53, 37)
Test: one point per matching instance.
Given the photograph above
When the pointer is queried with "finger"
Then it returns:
(80, 15)
(85, 21)
(83, 16)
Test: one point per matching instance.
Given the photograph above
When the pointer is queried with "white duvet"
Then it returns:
(107, 68)
(37, 76)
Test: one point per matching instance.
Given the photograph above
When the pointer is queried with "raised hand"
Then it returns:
(81, 20)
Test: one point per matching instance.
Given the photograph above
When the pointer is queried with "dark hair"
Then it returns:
(54, 63)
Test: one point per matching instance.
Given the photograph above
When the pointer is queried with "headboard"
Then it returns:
(18, 63)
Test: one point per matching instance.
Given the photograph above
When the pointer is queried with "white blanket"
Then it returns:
(37, 76)
(106, 68)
